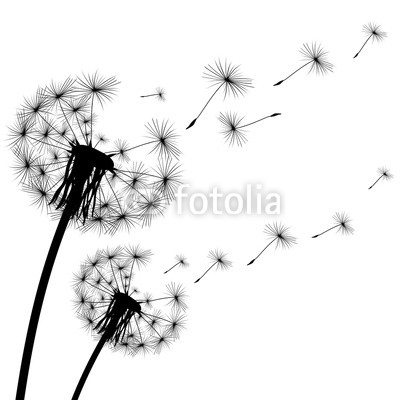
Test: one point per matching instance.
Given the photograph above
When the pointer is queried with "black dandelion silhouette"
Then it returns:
(159, 94)
(278, 234)
(315, 57)
(113, 309)
(181, 261)
(233, 130)
(384, 175)
(226, 76)
(374, 32)
(219, 260)
(342, 223)
(60, 164)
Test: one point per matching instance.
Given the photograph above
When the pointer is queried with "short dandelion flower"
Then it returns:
(113, 309)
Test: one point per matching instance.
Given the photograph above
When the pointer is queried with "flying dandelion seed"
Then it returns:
(181, 261)
(218, 260)
(315, 57)
(373, 32)
(159, 94)
(342, 222)
(384, 174)
(233, 130)
(115, 311)
(278, 234)
(60, 165)
(224, 76)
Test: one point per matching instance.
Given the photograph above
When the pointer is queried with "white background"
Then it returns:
(319, 321)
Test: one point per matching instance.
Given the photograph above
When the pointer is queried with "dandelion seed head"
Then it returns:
(231, 131)
(229, 76)
(317, 57)
(385, 173)
(57, 161)
(220, 258)
(375, 30)
(277, 231)
(343, 221)
(108, 302)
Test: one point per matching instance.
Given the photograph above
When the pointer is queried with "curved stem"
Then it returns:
(262, 251)
(38, 302)
(201, 112)
(205, 273)
(89, 366)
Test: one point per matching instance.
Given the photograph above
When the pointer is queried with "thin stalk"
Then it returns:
(38, 302)
(262, 251)
(333, 227)
(89, 366)
(150, 95)
(359, 51)
(297, 70)
(201, 112)
(205, 273)
(172, 267)
(261, 119)
(375, 182)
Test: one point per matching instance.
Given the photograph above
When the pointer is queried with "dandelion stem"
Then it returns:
(262, 251)
(261, 119)
(38, 302)
(150, 95)
(89, 366)
(172, 267)
(201, 112)
(297, 70)
(375, 182)
(333, 227)
(359, 51)
(205, 272)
